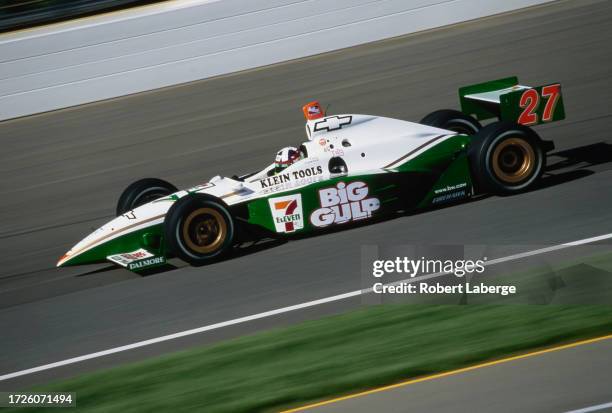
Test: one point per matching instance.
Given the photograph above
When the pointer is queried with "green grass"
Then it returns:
(318, 359)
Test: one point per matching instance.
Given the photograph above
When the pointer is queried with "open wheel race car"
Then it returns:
(352, 168)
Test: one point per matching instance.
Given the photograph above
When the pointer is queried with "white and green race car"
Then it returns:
(352, 168)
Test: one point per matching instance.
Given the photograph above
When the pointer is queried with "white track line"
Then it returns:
(277, 311)
(592, 408)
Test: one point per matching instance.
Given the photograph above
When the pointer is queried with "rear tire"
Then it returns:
(506, 158)
(452, 120)
(142, 192)
(198, 228)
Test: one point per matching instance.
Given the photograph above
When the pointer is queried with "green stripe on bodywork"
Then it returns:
(449, 160)
(438, 157)
(453, 185)
(125, 243)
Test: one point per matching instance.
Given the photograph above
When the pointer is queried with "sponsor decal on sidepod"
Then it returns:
(344, 203)
(287, 213)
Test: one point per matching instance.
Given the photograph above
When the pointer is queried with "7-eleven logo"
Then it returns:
(287, 213)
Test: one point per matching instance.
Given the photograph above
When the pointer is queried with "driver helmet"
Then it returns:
(286, 157)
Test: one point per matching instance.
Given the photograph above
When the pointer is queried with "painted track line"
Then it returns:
(592, 408)
(459, 371)
(282, 310)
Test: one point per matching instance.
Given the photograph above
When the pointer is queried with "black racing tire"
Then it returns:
(142, 192)
(198, 228)
(452, 120)
(506, 158)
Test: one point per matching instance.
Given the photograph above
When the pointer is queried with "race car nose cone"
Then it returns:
(62, 260)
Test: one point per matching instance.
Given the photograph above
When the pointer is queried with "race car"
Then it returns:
(351, 169)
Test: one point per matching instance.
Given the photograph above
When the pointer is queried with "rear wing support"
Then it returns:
(508, 100)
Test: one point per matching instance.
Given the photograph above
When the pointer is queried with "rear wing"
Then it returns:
(506, 99)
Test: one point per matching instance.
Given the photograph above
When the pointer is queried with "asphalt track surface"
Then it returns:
(507, 387)
(62, 172)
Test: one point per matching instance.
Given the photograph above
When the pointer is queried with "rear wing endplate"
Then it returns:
(506, 99)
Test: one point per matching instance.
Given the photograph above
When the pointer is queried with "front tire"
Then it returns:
(141, 192)
(198, 228)
(452, 120)
(506, 158)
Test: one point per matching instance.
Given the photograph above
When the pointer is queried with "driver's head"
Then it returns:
(286, 157)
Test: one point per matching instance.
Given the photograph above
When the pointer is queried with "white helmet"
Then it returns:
(286, 157)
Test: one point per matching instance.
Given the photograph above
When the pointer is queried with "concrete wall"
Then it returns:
(179, 41)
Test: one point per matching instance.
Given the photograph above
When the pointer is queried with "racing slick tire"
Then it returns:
(506, 158)
(452, 120)
(142, 192)
(198, 228)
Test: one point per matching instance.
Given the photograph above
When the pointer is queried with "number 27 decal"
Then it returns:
(530, 103)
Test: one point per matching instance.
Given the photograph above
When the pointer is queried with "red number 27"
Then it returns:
(530, 102)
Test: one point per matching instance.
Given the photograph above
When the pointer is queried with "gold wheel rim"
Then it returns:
(204, 230)
(513, 160)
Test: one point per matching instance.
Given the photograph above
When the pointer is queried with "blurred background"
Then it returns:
(20, 14)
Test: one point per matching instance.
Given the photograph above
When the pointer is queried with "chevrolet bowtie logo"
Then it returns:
(332, 123)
